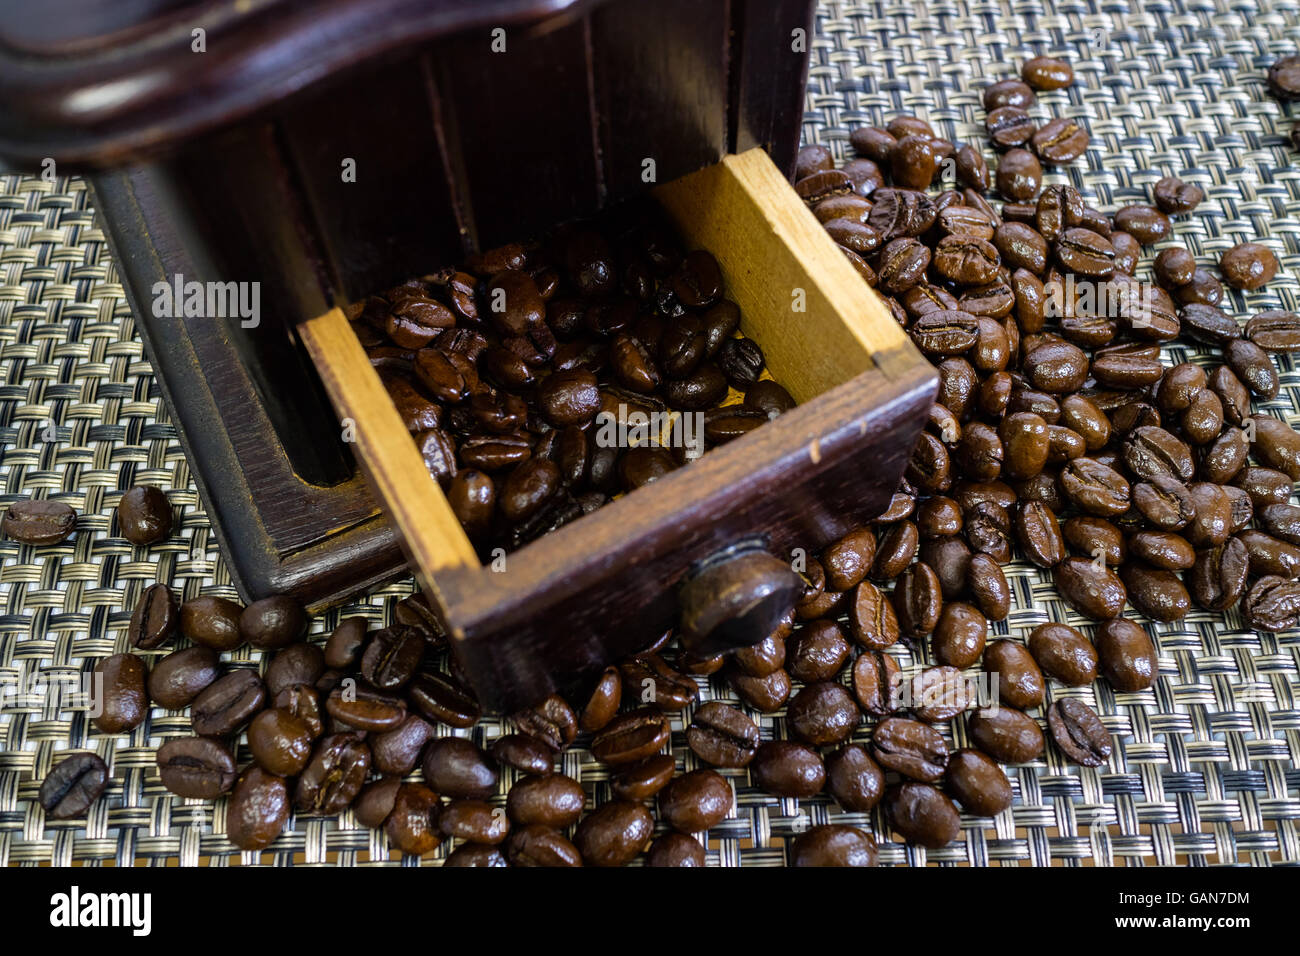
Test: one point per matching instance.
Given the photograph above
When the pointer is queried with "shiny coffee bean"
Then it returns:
(72, 785)
(788, 769)
(196, 767)
(257, 810)
(1079, 732)
(124, 701)
(38, 522)
(922, 814)
(144, 515)
(977, 783)
(1127, 656)
(1006, 735)
(1063, 654)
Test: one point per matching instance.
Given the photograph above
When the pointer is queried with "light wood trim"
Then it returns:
(410, 496)
(768, 244)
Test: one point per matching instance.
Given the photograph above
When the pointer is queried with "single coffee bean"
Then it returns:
(1128, 658)
(474, 821)
(822, 714)
(644, 779)
(72, 785)
(524, 753)
(922, 814)
(1020, 682)
(1273, 604)
(226, 705)
(397, 751)
(977, 783)
(1010, 92)
(631, 737)
(1147, 224)
(539, 845)
(911, 748)
(1059, 141)
(1218, 578)
(854, 779)
(959, 634)
(722, 735)
(144, 515)
(38, 522)
(765, 694)
(833, 845)
(1047, 73)
(614, 834)
(1009, 126)
(196, 767)
(552, 799)
(156, 618)
(1006, 735)
(280, 742)
(1079, 732)
(124, 701)
(671, 690)
(365, 708)
(1063, 654)
(696, 801)
(1252, 366)
(442, 697)
(412, 823)
(1248, 266)
(874, 677)
(257, 810)
(1175, 197)
(334, 775)
(1275, 331)
(1158, 594)
(213, 622)
(456, 767)
(296, 664)
(181, 676)
(788, 769)
(1019, 175)
(1093, 591)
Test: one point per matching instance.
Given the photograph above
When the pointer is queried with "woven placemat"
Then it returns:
(1204, 770)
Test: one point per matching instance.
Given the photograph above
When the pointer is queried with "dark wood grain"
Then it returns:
(519, 128)
(399, 217)
(769, 77)
(661, 88)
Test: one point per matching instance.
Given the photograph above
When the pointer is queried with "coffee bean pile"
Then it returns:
(500, 371)
(1060, 436)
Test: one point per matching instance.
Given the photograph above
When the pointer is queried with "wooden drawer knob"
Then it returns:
(734, 599)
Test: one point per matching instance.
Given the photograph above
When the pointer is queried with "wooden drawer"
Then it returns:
(606, 585)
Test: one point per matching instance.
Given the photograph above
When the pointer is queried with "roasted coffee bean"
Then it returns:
(1079, 732)
(1093, 591)
(1218, 578)
(476, 854)
(334, 775)
(1276, 445)
(854, 779)
(873, 142)
(156, 618)
(812, 159)
(1158, 594)
(1273, 604)
(833, 845)
(1282, 520)
(1175, 197)
(1252, 366)
(1275, 331)
(553, 800)
(1063, 654)
(1147, 224)
(988, 587)
(412, 823)
(971, 169)
(227, 704)
(474, 821)
(1174, 267)
(1047, 73)
(280, 742)
(874, 677)
(72, 785)
(1056, 367)
(1020, 682)
(296, 664)
(922, 814)
(977, 783)
(824, 184)
(38, 522)
(901, 265)
(765, 694)
(539, 845)
(1010, 92)
(1094, 488)
(213, 622)
(391, 657)
(1059, 141)
(1248, 265)
(1266, 486)
(124, 701)
(456, 767)
(822, 714)
(1127, 656)
(176, 680)
(722, 736)
(1162, 550)
(195, 767)
(645, 778)
(257, 810)
(631, 737)
(788, 769)
(1204, 289)
(1006, 735)
(980, 452)
(443, 697)
(1212, 522)
(768, 397)
(524, 753)
(917, 600)
(1009, 126)
(397, 751)
(365, 708)
(913, 161)
(988, 529)
(1165, 502)
(847, 560)
(696, 801)
(1126, 370)
(1151, 452)
(144, 515)
(959, 634)
(816, 652)
(1038, 534)
(911, 748)
(1019, 174)
(648, 677)
(1085, 253)
(614, 834)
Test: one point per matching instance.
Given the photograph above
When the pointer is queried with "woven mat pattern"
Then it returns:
(1205, 765)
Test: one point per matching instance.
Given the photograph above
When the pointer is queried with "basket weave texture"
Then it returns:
(1205, 764)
